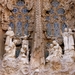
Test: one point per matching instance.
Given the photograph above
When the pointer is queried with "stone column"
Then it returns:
(37, 56)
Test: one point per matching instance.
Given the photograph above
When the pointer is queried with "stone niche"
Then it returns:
(37, 37)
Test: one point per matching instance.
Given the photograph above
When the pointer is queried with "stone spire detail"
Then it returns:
(37, 57)
(38, 25)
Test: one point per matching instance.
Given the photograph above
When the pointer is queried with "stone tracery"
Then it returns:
(50, 19)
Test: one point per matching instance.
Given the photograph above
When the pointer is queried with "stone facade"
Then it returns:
(37, 37)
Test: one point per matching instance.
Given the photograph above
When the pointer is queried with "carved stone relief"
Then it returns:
(36, 33)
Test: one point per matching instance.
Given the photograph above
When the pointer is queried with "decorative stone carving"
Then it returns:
(69, 53)
(37, 55)
(25, 46)
(71, 40)
(36, 72)
(29, 4)
(58, 49)
(46, 4)
(5, 15)
(10, 50)
(9, 57)
(51, 50)
(61, 11)
(23, 57)
(10, 4)
(65, 39)
(5, 18)
(55, 52)
(54, 58)
(68, 41)
(3, 2)
(10, 35)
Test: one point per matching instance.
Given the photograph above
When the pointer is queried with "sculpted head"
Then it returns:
(65, 29)
(70, 30)
(15, 41)
(25, 37)
(9, 29)
(51, 45)
(54, 42)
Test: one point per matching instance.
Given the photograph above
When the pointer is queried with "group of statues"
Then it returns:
(68, 39)
(10, 45)
(55, 51)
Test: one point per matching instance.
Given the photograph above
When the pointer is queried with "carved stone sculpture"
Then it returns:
(24, 53)
(65, 39)
(10, 50)
(68, 39)
(25, 45)
(29, 4)
(55, 52)
(69, 54)
(37, 17)
(9, 37)
(51, 50)
(9, 58)
(10, 4)
(71, 39)
(68, 42)
(9, 44)
(54, 56)
(23, 57)
(36, 72)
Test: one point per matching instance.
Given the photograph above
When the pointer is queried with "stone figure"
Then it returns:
(23, 57)
(69, 53)
(68, 39)
(9, 37)
(10, 50)
(9, 62)
(25, 45)
(71, 39)
(55, 52)
(68, 42)
(24, 53)
(57, 49)
(65, 39)
(51, 50)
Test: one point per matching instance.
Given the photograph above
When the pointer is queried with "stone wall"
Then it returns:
(43, 20)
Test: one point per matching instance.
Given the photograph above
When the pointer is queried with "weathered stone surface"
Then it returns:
(42, 21)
